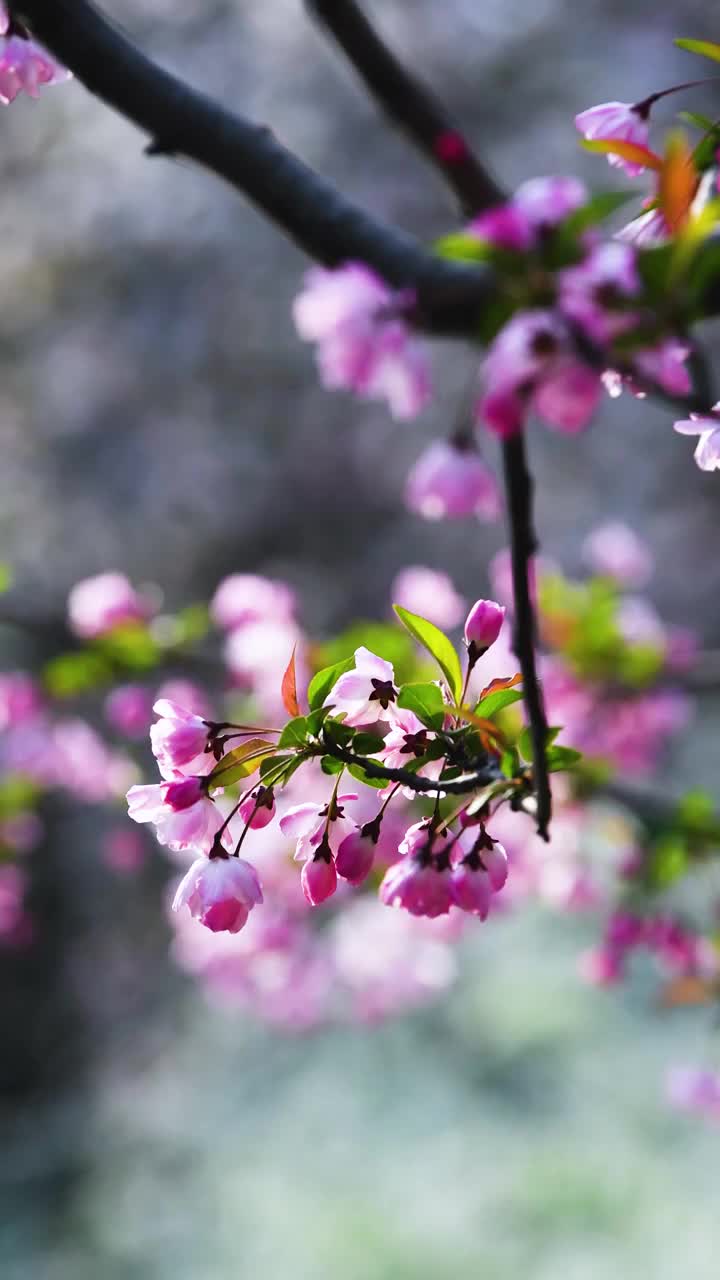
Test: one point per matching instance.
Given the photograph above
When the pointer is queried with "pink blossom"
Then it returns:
(567, 395)
(620, 120)
(645, 231)
(220, 893)
(603, 967)
(24, 65)
(482, 627)
(20, 699)
(407, 740)
(471, 889)
(639, 623)
(182, 813)
(422, 888)
(363, 344)
(97, 605)
(448, 482)
(692, 1088)
(123, 851)
(179, 741)
(707, 428)
(13, 883)
(589, 291)
(615, 551)
(364, 695)
(545, 202)
(665, 365)
(246, 597)
(319, 875)
(430, 593)
(128, 710)
(186, 694)
(505, 227)
(355, 856)
(523, 349)
(503, 410)
(257, 654)
(258, 809)
(309, 824)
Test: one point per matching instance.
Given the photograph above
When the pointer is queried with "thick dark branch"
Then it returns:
(518, 486)
(409, 103)
(461, 786)
(182, 121)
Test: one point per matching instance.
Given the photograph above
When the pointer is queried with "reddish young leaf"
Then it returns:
(678, 181)
(288, 689)
(494, 685)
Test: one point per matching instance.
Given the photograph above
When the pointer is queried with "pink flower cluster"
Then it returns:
(675, 948)
(24, 65)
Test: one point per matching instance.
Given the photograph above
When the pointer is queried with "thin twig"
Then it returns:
(518, 485)
(461, 786)
(409, 103)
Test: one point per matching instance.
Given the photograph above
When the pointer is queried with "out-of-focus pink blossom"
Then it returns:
(123, 851)
(13, 883)
(707, 452)
(691, 1088)
(184, 817)
(20, 698)
(620, 120)
(257, 655)
(545, 202)
(179, 741)
(186, 694)
(505, 227)
(246, 597)
(220, 893)
(258, 809)
(364, 694)
(97, 605)
(449, 483)
(483, 626)
(615, 551)
(128, 709)
(423, 889)
(25, 66)
(567, 396)
(645, 231)
(588, 291)
(430, 593)
(602, 967)
(640, 623)
(665, 365)
(363, 343)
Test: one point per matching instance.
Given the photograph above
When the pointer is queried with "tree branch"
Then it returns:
(523, 545)
(182, 121)
(461, 786)
(409, 103)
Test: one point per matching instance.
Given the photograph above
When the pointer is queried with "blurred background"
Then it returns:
(158, 415)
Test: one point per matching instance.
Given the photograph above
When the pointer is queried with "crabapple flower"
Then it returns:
(567, 396)
(364, 695)
(24, 65)
(312, 824)
(707, 428)
(363, 344)
(406, 740)
(482, 627)
(616, 552)
(471, 889)
(505, 227)
(665, 364)
(246, 597)
(449, 482)
(20, 699)
(97, 605)
(356, 854)
(182, 813)
(319, 875)
(179, 741)
(220, 893)
(479, 869)
(258, 809)
(620, 120)
(128, 710)
(429, 593)
(545, 202)
(423, 889)
(589, 291)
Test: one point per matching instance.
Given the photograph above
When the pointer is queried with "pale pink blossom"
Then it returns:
(220, 893)
(545, 202)
(123, 851)
(692, 1088)
(407, 740)
(607, 275)
(182, 813)
(179, 741)
(483, 626)
(363, 343)
(20, 699)
(422, 888)
(97, 605)
(449, 482)
(309, 824)
(364, 694)
(431, 594)
(471, 889)
(707, 428)
(246, 597)
(619, 120)
(647, 230)
(615, 551)
(128, 709)
(567, 395)
(25, 66)
(665, 364)
(505, 227)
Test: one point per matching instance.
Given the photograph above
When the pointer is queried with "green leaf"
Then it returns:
(241, 762)
(559, 758)
(17, 794)
(701, 122)
(705, 48)
(6, 578)
(359, 773)
(437, 645)
(329, 764)
(130, 645)
(70, 674)
(497, 701)
(510, 762)
(271, 764)
(295, 733)
(426, 701)
(366, 744)
(322, 683)
(461, 246)
(525, 743)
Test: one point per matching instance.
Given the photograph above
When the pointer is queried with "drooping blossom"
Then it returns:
(356, 854)
(179, 741)
(364, 694)
(24, 65)
(363, 344)
(308, 824)
(482, 627)
(448, 483)
(620, 120)
(220, 893)
(430, 593)
(182, 813)
(614, 550)
(97, 605)
(258, 809)
(590, 292)
(422, 888)
(247, 597)
(547, 201)
(707, 428)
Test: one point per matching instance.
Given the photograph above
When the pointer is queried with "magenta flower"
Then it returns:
(363, 343)
(505, 226)
(567, 395)
(20, 699)
(246, 597)
(616, 552)
(648, 229)
(97, 605)
(182, 813)
(220, 893)
(665, 365)
(429, 593)
(24, 66)
(258, 809)
(407, 740)
(620, 120)
(364, 695)
(319, 875)
(545, 202)
(355, 856)
(707, 452)
(179, 741)
(471, 889)
(311, 824)
(588, 291)
(448, 482)
(128, 710)
(482, 627)
(422, 888)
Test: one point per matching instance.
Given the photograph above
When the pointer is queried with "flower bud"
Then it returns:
(482, 627)
(258, 809)
(355, 857)
(318, 876)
